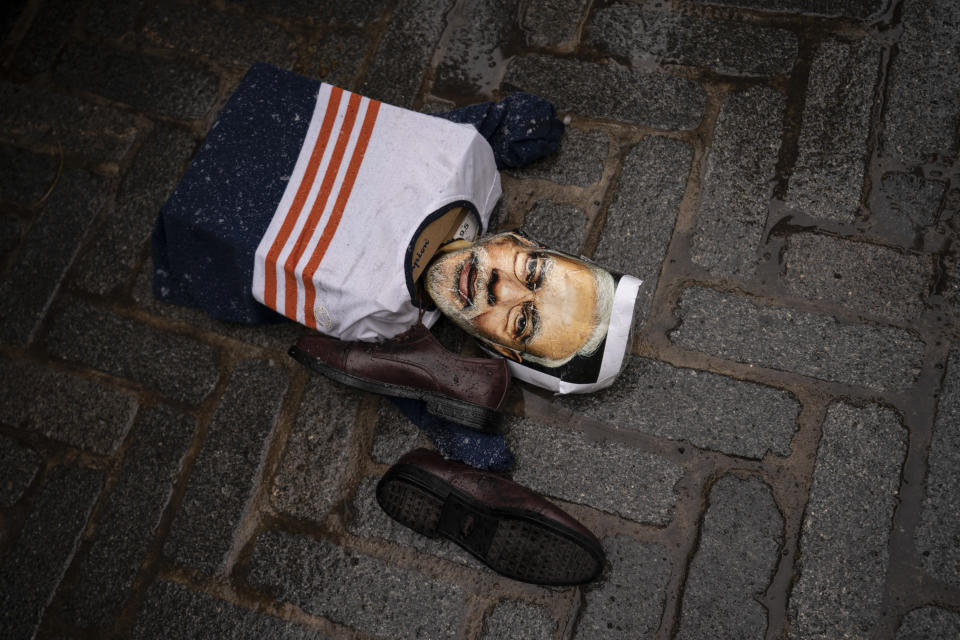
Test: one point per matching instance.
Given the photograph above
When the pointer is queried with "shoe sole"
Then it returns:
(468, 414)
(519, 544)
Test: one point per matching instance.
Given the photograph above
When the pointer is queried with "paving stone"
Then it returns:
(610, 91)
(46, 36)
(112, 19)
(640, 220)
(113, 256)
(953, 292)
(557, 225)
(35, 564)
(173, 611)
(845, 532)
(317, 457)
(228, 466)
(811, 344)
(860, 277)
(923, 88)
(179, 367)
(833, 8)
(10, 232)
(405, 51)
(578, 160)
(163, 87)
(648, 37)
(474, 54)
(708, 410)
(353, 589)
(130, 519)
(738, 183)
(225, 37)
(828, 173)
(65, 407)
(514, 619)
(938, 535)
(18, 466)
(620, 605)
(551, 22)
(367, 520)
(337, 59)
(98, 133)
(25, 176)
(905, 204)
(633, 484)
(736, 557)
(356, 13)
(9, 16)
(929, 622)
(393, 435)
(46, 253)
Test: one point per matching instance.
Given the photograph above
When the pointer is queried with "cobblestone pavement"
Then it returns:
(779, 459)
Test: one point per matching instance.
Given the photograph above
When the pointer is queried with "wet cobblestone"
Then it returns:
(129, 349)
(154, 84)
(227, 38)
(76, 410)
(828, 174)
(641, 218)
(809, 344)
(653, 397)
(864, 278)
(739, 545)
(18, 467)
(110, 262)
(318, 456)
(940, 524)
(635, 485)
(737, 184)
(599, 91)
(929, 622)
(99, 133)
(620, 604)
(46, 254)
(354, 589)
(518, 620)
(923, 84)
(37, 561)
(131, 516)
(172, 610)
(552, 23)
(843, 545)
(556, 225)
(229, 462)
(644, 36)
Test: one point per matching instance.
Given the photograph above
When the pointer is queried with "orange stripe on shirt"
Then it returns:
(290, 219)
(329, 178)
(366, 130)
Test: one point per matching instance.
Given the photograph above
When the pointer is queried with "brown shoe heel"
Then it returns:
(516, 543)
(462, 412)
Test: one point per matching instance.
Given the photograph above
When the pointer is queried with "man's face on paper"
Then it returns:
(518, 296)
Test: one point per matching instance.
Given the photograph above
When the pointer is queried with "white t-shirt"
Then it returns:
(369, 176)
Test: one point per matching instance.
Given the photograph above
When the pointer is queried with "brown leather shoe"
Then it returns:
(514, 531)
(468, 391)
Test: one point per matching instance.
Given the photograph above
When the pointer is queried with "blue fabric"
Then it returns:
(521, 128)
(207, 232)
(480, 450)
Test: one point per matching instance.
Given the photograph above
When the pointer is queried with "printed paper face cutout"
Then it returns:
(526, 302)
